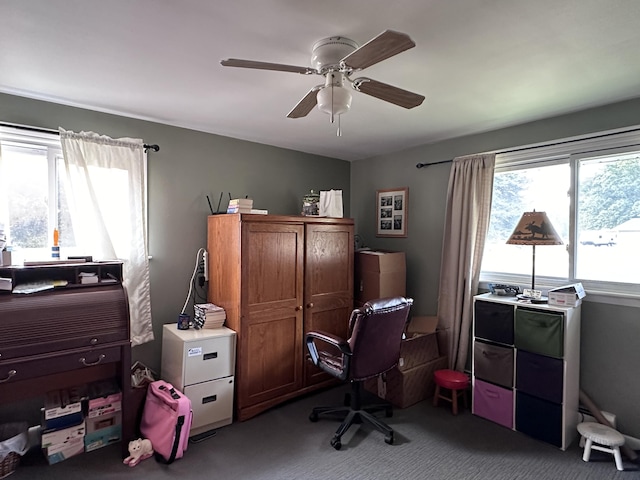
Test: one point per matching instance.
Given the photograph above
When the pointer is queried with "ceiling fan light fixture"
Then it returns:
(334, 100)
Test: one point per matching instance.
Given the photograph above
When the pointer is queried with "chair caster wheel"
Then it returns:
(313, 417)
(335, 443)
(388, 439)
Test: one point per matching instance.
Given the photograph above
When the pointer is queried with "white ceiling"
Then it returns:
(481, 64)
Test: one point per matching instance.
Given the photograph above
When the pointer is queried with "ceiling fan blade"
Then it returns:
(385, 45)
(305, 105)
(388, 93)
(236, 62)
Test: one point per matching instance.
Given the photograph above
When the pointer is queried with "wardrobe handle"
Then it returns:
(298, 308)
(310, 305)
(101, 357)
(9, 375)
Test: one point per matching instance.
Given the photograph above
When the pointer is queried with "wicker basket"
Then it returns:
(9, 464)
(14, 442)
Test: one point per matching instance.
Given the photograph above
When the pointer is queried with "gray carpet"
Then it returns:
(283, 444)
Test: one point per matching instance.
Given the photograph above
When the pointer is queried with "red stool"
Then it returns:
(452, 380)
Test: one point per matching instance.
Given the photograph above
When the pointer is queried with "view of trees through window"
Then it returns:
(606, 224)
(34, 202)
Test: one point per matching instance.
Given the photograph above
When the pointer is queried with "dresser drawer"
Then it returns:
(41, 365)
(539, 419)
(539, 332)
(493, 403)
(208, 358)
(212, 402)
(493, 363)
(195, 356)
(540, 376)
(494, 322)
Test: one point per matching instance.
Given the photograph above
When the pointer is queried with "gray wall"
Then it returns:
(610, 355)
(189, 166)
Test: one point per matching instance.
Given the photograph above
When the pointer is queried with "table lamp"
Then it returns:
(534, 228)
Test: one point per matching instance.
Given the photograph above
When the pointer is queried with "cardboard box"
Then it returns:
(106, 409)
(104, 421)
(102, 438)
(62, 451)
(568, 296)
(57, 437)
(403, 388)
(59, 403)
(423, 324)
(417, 349)
(103, 393)
(379, 274)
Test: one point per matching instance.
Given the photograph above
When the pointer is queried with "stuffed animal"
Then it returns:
(139, 450)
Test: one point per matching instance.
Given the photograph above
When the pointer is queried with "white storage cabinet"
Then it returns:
(201, 364)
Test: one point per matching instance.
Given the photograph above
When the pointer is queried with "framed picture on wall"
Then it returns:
(392, 212)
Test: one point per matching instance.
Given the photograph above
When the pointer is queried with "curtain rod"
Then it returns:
(552, 144)
(146, 146)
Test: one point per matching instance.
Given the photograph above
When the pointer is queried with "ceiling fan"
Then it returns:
(336, 59)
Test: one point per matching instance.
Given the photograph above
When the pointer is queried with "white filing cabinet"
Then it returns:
(201, 364)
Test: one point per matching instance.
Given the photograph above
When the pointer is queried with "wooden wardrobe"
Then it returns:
(278, 277)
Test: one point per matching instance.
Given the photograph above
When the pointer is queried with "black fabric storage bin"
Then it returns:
(539, 376)
(493, 363)
(539, 419)
(494, 321)
(539, 332)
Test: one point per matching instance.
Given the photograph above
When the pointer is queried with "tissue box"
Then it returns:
(567, 296)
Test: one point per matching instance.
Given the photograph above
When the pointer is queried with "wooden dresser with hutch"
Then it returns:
(65, 336)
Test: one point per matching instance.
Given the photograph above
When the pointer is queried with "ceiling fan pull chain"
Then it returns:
(339, 132)
(332, 102)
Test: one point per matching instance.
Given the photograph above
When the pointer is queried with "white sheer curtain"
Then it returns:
(466, 225)
(106, 182)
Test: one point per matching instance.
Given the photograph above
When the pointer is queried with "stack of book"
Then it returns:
(63, 424)
(208, 315)
(240, 205)
(104, 415)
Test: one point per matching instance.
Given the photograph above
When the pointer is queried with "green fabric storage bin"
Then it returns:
(539, 332)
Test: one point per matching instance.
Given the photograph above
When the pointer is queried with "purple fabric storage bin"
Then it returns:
(539, 376)
(493, 403)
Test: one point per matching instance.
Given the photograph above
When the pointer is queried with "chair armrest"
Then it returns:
(328, 338)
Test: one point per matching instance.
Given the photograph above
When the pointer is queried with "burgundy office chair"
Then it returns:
(373, 347)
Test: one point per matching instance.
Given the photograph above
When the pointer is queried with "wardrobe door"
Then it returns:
(328, 286)
(270, 346)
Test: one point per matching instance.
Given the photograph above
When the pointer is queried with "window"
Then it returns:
(32, 196)
(590, 190)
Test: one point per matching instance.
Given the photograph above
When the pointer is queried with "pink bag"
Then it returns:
(166, 420)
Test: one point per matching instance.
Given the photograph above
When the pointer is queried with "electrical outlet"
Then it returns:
(205, 260)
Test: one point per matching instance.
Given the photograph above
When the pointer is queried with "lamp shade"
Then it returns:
(534, 228)
(334, 100)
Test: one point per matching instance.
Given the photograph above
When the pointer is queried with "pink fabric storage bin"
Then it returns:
(493, 403)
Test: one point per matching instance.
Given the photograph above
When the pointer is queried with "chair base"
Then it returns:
(355, 413)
